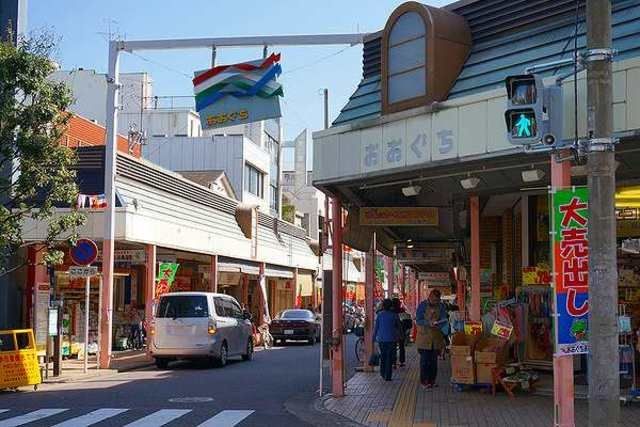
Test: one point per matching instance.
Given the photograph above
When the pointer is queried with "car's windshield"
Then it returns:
(178, 306)
(296, 314)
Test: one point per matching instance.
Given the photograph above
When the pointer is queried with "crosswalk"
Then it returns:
(226, 418)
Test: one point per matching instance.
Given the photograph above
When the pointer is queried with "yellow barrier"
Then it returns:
(18, 359)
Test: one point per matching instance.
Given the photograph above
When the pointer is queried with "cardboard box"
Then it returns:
(483, 372)
(462, 344)
(462, 369)
(491, 350)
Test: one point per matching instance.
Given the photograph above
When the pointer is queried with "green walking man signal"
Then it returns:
(523, 126)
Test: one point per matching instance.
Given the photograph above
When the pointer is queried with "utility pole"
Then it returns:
(604, 381)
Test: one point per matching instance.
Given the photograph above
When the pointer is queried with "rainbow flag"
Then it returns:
(246, 79)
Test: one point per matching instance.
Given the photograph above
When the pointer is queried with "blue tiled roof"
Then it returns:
(493, 57)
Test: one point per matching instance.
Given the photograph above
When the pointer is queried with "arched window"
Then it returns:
(407, 58)
(423, 51)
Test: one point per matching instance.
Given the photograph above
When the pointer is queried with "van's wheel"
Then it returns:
(249, 354)
(221, 361)
(162, 363)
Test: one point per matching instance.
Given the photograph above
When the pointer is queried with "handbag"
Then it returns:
(374, 360)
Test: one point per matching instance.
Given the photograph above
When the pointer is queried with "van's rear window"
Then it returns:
(177, 306)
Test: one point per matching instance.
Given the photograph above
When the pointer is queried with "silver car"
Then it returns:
(196, 325)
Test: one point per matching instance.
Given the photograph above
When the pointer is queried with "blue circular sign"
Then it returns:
(84, 252)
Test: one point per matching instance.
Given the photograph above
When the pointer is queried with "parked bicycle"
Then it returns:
(360, 349)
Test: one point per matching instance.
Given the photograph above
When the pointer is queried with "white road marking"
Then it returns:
(159, 418)
(226, 419)
(92, 417)
(30, 417)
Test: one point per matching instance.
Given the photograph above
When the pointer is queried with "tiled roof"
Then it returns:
(508, 36)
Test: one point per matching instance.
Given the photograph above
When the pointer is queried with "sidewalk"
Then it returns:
(73, 369)
(371, 401)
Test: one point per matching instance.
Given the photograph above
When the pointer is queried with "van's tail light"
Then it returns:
(152, 328)
(211, 329)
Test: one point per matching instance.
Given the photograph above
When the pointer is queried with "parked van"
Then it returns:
(193, 325)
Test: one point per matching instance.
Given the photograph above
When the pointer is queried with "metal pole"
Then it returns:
(604, 381)
(321, 323)
(326, 108)
(109, 214)
(337, 376)
(213, 56)
(87, 289)
(370, 280)
(474, 310)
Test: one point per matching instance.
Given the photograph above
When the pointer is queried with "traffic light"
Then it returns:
(525, 109)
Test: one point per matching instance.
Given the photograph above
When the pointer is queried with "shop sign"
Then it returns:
(166, 276)
(570, 222)
(240, 93)
(127, 256)
(539, 275)
(426, 254)
(435, 279)
(41, 307)
(53, 322)
(399, 216)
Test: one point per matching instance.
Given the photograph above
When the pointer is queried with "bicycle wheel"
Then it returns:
(268, 340)
(360, 353)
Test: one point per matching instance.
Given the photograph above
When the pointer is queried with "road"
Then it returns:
(187, 394)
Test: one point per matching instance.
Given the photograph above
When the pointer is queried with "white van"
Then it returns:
(193, 325)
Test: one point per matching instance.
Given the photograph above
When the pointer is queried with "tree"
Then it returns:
(36, 172)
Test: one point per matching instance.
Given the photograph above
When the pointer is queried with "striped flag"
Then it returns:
(242, 80)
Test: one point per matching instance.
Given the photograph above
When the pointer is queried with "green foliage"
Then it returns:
(36, 172)
(289, 213)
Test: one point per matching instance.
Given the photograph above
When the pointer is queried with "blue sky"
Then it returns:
(83, 25)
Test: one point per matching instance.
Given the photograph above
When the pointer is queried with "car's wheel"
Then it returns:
(249, 354)
(221, 361)
(162, 363)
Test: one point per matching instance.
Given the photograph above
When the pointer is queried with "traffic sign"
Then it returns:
(84, 252)
(76, 271)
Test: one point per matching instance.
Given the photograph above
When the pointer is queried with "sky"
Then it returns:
(83, 28)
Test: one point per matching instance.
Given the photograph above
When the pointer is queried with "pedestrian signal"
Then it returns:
(524, 114)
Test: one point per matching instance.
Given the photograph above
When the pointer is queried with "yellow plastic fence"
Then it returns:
(18, 359)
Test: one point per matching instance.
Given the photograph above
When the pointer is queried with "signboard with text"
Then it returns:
(235, 94)
(166, 276)
(570, 251)
(399, 216)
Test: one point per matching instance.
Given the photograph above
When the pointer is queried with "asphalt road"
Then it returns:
(187, 394)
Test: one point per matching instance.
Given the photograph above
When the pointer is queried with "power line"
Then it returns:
(160, 64)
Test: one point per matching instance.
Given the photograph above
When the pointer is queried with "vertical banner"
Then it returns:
(166, 275)
(570, 251)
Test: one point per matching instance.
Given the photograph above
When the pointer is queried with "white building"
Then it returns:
(139, 108)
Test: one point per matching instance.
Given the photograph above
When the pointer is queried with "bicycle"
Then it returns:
(267, 338)
(360, 349)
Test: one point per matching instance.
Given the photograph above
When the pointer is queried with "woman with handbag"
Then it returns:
(433, 327)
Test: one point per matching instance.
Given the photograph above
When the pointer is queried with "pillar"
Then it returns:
(474, 207)
(149, 289)
(369, 287)
(213, 274)
(337, 362)
(563, 388)
(297, 299)
(401, 285)
(106, 308)
(388, 266)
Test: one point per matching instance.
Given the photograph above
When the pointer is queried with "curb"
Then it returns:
(310, 409)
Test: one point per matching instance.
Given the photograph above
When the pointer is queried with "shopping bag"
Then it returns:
(374, 360)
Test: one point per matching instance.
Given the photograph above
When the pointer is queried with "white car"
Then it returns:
(197, 325)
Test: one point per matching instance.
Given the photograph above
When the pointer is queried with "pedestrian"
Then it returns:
(405, 326)
(386, 332)
(433, 324)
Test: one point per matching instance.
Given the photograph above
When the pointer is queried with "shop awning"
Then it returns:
(271, 270)
(305, 284)
(230, 265)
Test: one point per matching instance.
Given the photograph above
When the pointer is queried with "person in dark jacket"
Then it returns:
(387, 332)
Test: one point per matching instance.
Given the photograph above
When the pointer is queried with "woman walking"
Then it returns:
(386, 332)
(431, 318)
